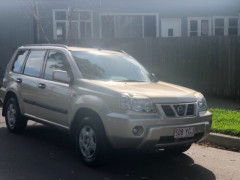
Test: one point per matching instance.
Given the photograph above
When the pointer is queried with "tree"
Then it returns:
(38, 28)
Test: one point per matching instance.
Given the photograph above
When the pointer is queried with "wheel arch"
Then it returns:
(8, 96)
(79, 116)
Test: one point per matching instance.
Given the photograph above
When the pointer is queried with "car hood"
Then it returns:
(159, 92)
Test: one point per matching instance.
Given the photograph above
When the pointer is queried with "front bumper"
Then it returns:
(158, 130)
(2, 94)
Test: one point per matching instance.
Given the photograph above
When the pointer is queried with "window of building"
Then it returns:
(34, 63)
(150, 26)
(233, 26)
(61, 31)
(193, 28)
(170, 32)
(226, 25)
(108, 30)
(128, 25)
(60, 15)
(204, 27)
(19, 60)
(199, 26)
(55, 61)
(219, 27)
(72, 24)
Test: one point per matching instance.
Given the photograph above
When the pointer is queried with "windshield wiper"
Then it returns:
(129, 80)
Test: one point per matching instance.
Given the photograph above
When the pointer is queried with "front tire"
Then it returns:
(15, 122)
(91, 141)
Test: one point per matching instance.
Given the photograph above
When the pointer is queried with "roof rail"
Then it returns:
(113, 49)
(59, 45)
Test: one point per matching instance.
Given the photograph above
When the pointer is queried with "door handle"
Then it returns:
(19, 80)
(42, 86)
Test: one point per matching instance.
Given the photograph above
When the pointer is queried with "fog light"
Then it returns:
(137, 131)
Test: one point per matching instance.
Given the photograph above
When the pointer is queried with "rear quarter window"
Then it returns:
(19, 60)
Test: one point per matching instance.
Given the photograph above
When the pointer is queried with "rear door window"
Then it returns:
(35, 63)
(19, 60)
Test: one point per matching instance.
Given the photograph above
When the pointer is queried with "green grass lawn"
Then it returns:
(226, 121)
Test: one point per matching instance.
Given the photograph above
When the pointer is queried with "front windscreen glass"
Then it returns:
(110, 66)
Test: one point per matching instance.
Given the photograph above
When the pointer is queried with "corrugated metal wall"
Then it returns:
(16, 28)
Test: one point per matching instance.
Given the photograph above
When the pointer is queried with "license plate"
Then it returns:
(183, 132)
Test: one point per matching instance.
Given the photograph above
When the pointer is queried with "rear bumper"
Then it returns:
(158, 132)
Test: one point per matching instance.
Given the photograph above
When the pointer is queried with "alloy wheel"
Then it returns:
(87, 141)
(11, 115)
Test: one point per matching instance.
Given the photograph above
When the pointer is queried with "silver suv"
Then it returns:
(103, 98)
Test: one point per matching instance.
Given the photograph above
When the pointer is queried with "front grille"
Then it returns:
(171, 139)
(190, 109)
(168, 111)
(178, 110)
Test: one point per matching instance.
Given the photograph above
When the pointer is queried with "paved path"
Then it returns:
(45, 153)
(222, 103)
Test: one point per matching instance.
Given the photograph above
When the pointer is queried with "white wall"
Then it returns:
(174, 24)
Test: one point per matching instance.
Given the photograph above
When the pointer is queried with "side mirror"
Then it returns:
(155, 79)
(61, 76)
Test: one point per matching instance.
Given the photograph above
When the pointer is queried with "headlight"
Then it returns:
(136, 102)
(201, 102)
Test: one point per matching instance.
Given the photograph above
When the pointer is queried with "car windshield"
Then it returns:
(111, 66)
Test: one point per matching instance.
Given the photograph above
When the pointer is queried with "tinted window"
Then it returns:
(233, 31)
(128, 26)
(60, 15)
(233, 26)
(204, 27)
(55, 61)
(219, 31)
(19, 60)
(219, 22)
(193, 33)
(193, 25)
(61, 30)
(233, 22)
(34, 63)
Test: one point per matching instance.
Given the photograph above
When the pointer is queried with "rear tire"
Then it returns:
(15, 122)
(91, 142)
(178, 150)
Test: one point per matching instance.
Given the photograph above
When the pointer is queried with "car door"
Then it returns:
(28, 80)
(54, 97)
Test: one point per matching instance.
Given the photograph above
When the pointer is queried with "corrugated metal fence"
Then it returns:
(208, 64)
